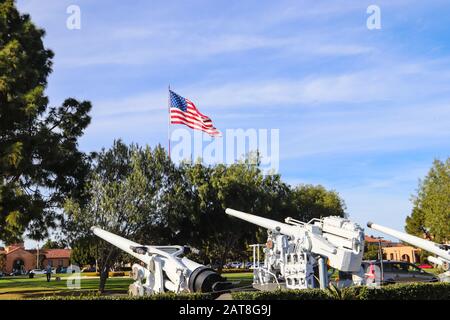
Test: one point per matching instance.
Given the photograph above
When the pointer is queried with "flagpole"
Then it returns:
(168, 122)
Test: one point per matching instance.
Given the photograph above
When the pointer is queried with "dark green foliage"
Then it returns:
(371, 252)
(134, 192)
(309, 294)
(49, 244)
(39, 161)
(411, 291)
(139, 194)
(242, 186)
(316, 202)
(430, 216)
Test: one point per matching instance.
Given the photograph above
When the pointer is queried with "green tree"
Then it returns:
(84, 251)
(430, 216)
(371, 252)
(311, 201)
(242, 186)
(50, 244)
(130, 193)
(39, 161)
(2, 262)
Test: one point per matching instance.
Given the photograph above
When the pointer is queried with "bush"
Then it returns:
(411, 291)
(308, 294)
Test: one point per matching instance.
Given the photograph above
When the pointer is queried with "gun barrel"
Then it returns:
(121, 243)
(413, 240)
(264, 222)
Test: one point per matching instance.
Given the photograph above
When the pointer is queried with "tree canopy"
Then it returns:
(40, 163)
(430, 215)
(139, 194)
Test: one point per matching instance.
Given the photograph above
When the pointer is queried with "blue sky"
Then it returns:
(360, 111)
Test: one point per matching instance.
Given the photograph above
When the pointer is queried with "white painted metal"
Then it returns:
(294, 249)
(165, 269)
(443, 256)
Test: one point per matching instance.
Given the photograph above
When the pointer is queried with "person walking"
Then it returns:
(48, 272)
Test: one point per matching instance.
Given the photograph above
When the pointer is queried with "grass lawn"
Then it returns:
(25, 288)
(239, 279)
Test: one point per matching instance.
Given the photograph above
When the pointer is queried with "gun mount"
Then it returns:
(295, 251)
(164, 269)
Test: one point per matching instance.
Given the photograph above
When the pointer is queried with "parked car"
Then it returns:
(41, 271)
(37, 271)
(88, 269)
(235, 264)
(395, 272)
(17, 273)
(62, 270)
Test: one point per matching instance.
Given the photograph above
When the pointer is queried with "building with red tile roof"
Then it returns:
(15, 258)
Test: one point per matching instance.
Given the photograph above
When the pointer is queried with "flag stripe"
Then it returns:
(184, 111)
(197, 123)
(189, 115)
(213, 131)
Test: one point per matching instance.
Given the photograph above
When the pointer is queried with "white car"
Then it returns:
(37, 271)
(41, 271)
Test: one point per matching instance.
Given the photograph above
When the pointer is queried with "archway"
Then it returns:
(18, 265)
(406, 258)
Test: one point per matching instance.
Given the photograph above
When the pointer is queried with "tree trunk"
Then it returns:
(105, 270)
(223, 258)
(103, 276)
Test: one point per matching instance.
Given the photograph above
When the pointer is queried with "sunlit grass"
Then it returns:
(26, 288)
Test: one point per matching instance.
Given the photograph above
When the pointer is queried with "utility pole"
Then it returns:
(380, 257)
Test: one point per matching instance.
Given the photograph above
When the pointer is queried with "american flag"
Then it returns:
(183, 111)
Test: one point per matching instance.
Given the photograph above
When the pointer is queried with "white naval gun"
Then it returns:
(164, 268)
(441, 251)
(296, 251)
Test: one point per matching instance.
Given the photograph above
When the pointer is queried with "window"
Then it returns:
(400, 267)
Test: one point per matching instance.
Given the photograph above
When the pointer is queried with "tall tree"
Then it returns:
(130, 193)
(430, 216)
(242, 186)
(50, 244)
(39, 160)
(316, 202)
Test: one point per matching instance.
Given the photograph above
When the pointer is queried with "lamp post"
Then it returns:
(37, 256)
(380, 257)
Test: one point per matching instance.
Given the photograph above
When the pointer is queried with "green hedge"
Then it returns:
(309, 294)
(413, 291)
